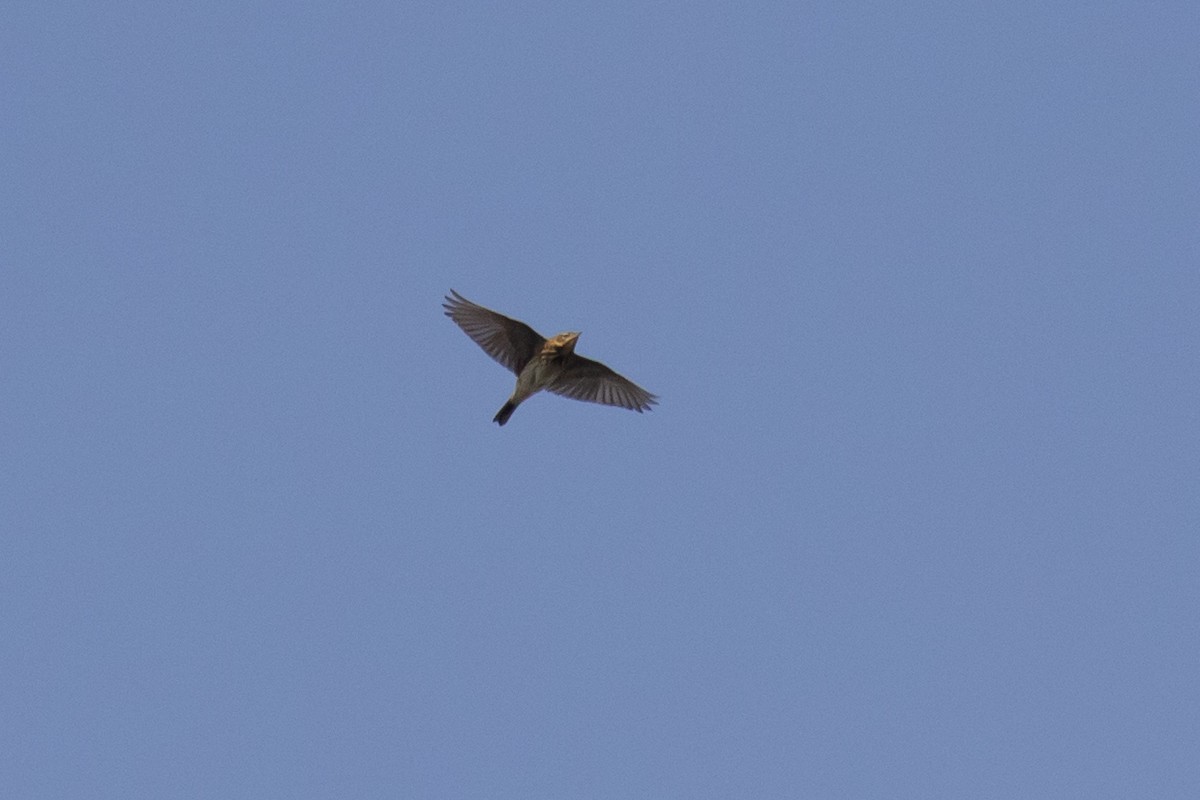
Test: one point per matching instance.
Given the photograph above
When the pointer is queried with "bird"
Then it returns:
(540, 363)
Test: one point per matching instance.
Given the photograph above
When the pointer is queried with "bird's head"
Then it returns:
(565, 342)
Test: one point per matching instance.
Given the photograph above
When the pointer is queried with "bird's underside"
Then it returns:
(540, 363)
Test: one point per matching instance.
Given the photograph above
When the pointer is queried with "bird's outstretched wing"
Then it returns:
(584, 379)
(509, 341)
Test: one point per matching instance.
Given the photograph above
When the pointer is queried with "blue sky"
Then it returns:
(917, 515)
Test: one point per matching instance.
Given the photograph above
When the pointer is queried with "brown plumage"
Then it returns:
(541, 363)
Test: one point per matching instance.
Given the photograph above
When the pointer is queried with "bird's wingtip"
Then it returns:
(452, 301)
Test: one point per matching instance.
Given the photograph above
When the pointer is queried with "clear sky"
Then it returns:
(918, 514)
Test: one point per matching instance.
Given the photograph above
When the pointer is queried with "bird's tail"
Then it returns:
(505, 412)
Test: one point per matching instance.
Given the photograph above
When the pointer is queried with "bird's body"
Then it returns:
(541, 363)
(542, 370)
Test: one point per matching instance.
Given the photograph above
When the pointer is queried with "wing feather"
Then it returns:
(593, 382)
(511, 342)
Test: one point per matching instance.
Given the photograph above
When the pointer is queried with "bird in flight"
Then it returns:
(542, 363)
